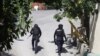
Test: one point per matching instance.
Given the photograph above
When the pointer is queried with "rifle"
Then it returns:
(29, 36)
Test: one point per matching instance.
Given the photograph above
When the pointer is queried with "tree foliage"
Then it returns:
(53, 3)
(13, 21)
(77, 9)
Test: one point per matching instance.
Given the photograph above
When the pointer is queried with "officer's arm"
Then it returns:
(54, 35)
(64, 36)
(40, 31)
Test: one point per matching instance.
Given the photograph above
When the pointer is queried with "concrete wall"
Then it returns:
(95, 36)
(96, 43)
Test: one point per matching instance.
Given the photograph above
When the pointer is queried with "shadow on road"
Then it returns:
(37, 49)
(64, 50)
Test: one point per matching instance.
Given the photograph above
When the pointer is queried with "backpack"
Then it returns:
(36, 31)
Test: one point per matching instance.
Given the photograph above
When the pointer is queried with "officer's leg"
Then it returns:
(36, 45)
(37, 41)
(58, 46)
(61, 46)
(59, 49)
(33, 43)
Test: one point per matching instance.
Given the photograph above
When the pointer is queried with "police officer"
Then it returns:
(36, 33)
(59, 36)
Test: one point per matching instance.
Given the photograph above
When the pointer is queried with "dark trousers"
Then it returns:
(35, 42)
(60, 45)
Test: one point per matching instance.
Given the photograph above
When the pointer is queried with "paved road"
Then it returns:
(48, 24)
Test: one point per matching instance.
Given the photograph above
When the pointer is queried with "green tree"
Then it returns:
(53, 3)
(13, 21)
(77, 9)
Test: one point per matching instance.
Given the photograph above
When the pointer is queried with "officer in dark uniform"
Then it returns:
(59, 36)
(36, 33)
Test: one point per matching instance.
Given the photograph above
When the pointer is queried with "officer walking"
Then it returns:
(36, 34)
(59, 36)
